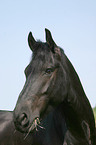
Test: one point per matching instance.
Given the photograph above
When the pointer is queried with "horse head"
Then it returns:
(46, 84)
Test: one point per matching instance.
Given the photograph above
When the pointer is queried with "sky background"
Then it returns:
(73, 27)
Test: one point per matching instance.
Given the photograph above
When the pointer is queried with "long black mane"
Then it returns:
(77, 100)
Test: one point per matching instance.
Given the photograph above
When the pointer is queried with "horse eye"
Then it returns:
(49, 71)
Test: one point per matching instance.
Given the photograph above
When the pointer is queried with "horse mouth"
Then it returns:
(34, 126)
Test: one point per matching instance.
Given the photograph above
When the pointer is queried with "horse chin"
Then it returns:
(34, 123)
(22, 129)
(30, 127)
(34, 127)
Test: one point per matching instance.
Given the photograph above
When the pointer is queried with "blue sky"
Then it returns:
(73, 26)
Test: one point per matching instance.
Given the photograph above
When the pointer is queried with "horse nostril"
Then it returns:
(24, 120)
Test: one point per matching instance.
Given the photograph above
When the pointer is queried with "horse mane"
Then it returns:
(77, 99)
(74, 78)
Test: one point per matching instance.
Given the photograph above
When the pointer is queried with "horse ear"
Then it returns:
(55, 49)
(50, 40)
(31, 41)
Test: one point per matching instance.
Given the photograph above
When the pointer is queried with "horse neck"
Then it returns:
(76, 94)
(76, 98)
(76, 102)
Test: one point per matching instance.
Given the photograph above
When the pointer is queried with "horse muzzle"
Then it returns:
(25, 122)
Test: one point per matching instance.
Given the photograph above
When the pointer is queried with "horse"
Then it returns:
(8, 133)
(52, 106)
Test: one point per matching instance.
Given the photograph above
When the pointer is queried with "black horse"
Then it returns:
(53, 107)
(8, 133)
